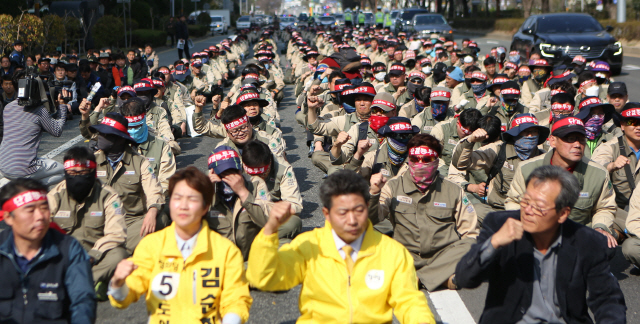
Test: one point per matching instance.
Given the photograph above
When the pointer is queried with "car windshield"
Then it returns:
(408, 15)
(394, 15)
(338, 16)
(216, 18)
(430, 20)
(243, 19)
(287, 19)
(567, 24)
(327, 19)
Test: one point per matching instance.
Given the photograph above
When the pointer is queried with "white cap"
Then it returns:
(468, 59)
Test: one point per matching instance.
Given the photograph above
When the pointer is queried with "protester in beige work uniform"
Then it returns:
(90, 212)
(432, 217)
(596, 205)
(131, 175)
(278, 175)
(241, 204)
(500, 159)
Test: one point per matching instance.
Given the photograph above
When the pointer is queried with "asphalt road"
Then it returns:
(283, 307)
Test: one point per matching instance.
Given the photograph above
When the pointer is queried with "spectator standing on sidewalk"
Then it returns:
(182, 33)
(171, 30)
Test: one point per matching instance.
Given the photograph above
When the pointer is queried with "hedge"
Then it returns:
(627, 31)
(141, 37)
(197, 30)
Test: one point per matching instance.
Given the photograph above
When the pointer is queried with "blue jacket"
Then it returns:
(17, 58)
(583, 266)
(56, 288)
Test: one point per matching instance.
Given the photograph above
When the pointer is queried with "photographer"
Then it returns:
(19, 152)
(60, 80)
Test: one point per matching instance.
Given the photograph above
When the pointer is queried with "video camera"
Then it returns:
(35, 90)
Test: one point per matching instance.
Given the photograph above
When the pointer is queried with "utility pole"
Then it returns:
(124, 16)
(622, 11)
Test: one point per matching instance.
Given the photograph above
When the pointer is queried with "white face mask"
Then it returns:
(592, 92)
(380, 76)
(426, 70)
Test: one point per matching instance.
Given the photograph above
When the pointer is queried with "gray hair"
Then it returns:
(570, 187)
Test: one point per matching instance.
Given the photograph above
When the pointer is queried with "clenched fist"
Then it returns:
(123, 270)
(342, 138)
(278, 215)
(376, 183)
(363, 147)
(478, 135)
(510, 231)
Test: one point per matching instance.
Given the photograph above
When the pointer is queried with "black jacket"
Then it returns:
(182, 32)
(57, 288)
(582, 267)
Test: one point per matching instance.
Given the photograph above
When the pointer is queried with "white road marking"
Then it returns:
(450, 307)
(492, 42)
(631, 67)
(60, 149)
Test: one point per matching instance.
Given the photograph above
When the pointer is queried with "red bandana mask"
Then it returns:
(376, 122)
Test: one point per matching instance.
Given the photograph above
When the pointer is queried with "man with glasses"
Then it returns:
(595, 206)
(239, 131)
(91, 212)
(540, 265)
(433, 217)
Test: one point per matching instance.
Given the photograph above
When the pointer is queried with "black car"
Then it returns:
(556, 36)
(405, 18)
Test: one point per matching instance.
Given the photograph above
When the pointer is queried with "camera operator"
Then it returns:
(60, 80)
(19, 152)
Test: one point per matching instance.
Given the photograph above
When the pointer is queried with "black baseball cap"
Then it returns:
(617, 88)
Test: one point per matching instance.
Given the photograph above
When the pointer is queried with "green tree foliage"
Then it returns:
(54, 32)
(108, 31)
(203, 19)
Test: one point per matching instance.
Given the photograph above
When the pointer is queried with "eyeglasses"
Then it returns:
(378, 110)
(401, 137)
(632, 122)
(572, 138)
(526, 202)
(422, 159)
(241, 129)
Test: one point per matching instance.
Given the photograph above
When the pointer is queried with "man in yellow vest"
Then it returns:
(361, 18)
(379, 18)
(348, 18)
(387, 19)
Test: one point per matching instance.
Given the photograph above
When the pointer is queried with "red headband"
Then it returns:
(240, 121)
(478, 75)
(580, 59)
(364, 89)
(113, 123)
(383, 102)
(22, 199)
(465, 130)
(222, 155)
(397, 67)
(422, 150)
(524, 120)
(134, 119)
(500, 80)
(590, 101)
(365, 61)
(510, 65)
(417, 74)
(400, 127)
(562, 106)
(256, 171)
(158, 83)
(584, 83)
(164, 71)
(633, 112)
(510, 91)
(339, 87)
(446, 94)
(565, 122)
(540, 62)
(556, 91)
(68, 164)
(126, 88)
(602, 66)
(247, 96)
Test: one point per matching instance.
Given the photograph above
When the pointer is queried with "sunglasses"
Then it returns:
(632, 122)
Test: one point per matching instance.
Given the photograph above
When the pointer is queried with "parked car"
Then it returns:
(287, 21)
(327, 21)
(257, 21)
(405, 18)
(556, 36)
(243, 22)
(427, 24)
(218, 25)
(339, 19)
(303, 20)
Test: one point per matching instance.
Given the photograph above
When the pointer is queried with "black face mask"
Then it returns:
(255, 120)
(411, 88)
(112, 145)
(79, 186)
(578, 69)
(146, 100)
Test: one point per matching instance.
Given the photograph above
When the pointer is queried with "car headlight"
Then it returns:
(616, 47)
(545, 49)
(407, 22)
